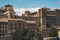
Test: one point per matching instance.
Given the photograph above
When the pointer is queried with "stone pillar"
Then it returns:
(59, 34)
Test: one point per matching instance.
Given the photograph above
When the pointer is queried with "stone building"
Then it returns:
(9, 22)
(43, 18)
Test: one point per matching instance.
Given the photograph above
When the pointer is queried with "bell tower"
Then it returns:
(10, 11)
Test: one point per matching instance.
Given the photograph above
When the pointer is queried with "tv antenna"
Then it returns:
(44, 3)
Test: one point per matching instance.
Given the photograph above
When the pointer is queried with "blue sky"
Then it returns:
(31, 3)
(21, 4)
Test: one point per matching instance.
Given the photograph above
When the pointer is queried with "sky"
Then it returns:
(32, 5)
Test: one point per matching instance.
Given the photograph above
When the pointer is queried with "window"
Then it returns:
(51, 20)
(31, 24)
(19, 26)
(0, 26)
(15, 26)
(11, 26)
(3, 23)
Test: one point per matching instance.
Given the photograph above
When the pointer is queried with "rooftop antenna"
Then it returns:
(44, 3)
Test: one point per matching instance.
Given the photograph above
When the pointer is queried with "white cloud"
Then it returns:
(22, 10)
(58, 2)
(32, 9)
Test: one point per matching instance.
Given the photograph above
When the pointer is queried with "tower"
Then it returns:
(42, 17)
(10, 11)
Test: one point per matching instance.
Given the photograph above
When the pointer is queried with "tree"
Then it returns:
(30, 35)
(0, 32)
(53, 32)
(23, 34)
(39, 36)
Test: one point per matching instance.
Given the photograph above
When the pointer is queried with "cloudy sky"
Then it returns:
(32, 5)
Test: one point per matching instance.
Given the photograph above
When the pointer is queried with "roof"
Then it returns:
(8, 5)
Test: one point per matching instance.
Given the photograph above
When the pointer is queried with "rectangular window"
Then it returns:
(15, 26)
(51, 20)
(11, 26)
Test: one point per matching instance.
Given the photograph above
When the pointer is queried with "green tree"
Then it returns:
(39, 36)
(23, 34)
(0, 32)
(53, 32)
